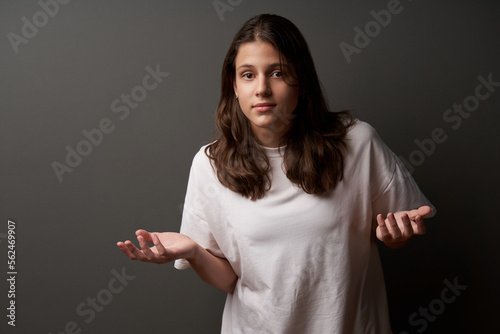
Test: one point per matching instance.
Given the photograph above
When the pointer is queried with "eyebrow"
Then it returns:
(251, 66)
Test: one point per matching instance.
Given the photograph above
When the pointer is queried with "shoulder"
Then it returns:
(201, 165)
(368, 158)
(201, 156)
(361, 130)
(363, 136)
(363, 143)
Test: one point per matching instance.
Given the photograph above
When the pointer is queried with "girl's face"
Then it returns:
(264, 97)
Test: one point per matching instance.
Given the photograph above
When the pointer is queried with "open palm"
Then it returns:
(399, 227)
(168, 246)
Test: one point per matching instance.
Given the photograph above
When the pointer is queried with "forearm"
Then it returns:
(213, 270)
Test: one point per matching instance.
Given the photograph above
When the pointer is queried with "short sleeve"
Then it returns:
(199, 208)
(198, 230)
(398, 191)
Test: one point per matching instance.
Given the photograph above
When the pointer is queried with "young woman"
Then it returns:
(282, 210)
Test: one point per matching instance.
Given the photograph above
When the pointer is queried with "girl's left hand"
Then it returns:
(398, 228)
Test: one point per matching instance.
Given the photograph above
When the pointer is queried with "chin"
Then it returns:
(264, 124)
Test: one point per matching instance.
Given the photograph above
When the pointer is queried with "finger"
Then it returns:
(135, 251)
(159, 246)
(407, 227)
(393, 226)
(145, 248)
(419, 225)
(126, 251)
(145, 234)
(383, 231)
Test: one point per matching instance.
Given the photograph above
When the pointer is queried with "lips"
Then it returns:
(264, 106)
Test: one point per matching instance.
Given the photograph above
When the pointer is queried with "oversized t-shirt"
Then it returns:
(305, 263)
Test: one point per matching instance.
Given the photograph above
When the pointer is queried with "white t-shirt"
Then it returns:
(305, 263)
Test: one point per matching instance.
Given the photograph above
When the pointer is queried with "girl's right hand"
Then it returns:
(168, 246)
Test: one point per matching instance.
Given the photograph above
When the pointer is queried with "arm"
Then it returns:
(214, 270)
(170, 246)
(398, 228)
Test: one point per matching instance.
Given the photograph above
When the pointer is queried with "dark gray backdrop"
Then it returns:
(67, 68)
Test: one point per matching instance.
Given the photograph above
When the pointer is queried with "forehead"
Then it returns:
(257, 53)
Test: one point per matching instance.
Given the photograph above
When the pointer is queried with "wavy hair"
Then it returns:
(315, 148)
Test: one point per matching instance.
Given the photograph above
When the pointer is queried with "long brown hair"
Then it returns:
(315, 148)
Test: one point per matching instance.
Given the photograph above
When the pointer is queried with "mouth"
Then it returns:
(264, 106)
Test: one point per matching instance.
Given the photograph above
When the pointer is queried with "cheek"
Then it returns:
(244, 102)
(244, 92)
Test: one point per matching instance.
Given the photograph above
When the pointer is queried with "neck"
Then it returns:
(269, 138)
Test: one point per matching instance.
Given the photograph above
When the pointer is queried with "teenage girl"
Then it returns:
(283, 208)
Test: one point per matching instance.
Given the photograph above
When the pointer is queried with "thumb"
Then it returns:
(424, 210)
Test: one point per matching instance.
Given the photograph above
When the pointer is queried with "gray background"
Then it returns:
(65, 78)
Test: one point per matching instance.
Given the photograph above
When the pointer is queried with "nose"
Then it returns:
(263, 88)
